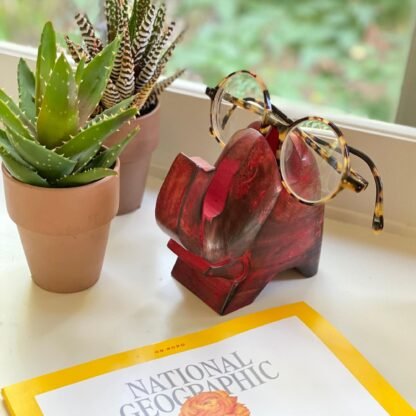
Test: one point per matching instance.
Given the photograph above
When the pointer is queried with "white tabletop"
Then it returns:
(366, 287)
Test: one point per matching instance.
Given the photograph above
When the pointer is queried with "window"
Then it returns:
(228, 35)
(349, 56)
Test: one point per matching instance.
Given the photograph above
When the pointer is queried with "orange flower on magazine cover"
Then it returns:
(213, 403)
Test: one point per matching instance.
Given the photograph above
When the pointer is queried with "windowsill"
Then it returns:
(184, 128)
(365, 286)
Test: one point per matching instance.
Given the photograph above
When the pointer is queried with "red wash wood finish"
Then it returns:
(233, 226)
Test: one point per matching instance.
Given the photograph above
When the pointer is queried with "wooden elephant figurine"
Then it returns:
(233, 226)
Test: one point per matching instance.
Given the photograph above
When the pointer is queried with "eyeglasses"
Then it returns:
(312, 154)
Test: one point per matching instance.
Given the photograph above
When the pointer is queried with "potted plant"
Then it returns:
(61, 184)
(144, 52)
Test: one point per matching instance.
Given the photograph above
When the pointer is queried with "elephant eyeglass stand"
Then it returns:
(233, 226)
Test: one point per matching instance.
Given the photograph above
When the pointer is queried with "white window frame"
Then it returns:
(406, 113)
(184, 128)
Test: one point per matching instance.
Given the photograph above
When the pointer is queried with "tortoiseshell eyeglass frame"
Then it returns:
(272, 116)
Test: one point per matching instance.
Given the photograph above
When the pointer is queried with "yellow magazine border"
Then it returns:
(20, 398)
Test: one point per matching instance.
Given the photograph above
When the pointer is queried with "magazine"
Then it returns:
(283, 361)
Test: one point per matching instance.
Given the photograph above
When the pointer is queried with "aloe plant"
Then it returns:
(49, 138)
(145, 50)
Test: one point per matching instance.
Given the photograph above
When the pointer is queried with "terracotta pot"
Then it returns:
(135, 159)
(64, 231)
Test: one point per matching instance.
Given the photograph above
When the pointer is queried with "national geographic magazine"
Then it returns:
(285, 361)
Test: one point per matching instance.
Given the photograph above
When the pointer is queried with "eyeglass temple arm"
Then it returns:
(378, 217)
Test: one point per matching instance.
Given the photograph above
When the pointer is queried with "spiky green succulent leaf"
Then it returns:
(58, 117)
(12, 117)
(47, 163)
(21, 172)
(79, 71)
(85, 145)
(26, 84)
(85, 177)
(7, 146)
(94, 80)
(108, 157)
(112, 111)
(45, 62)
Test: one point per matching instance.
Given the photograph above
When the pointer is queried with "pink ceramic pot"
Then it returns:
(135, 159)
(64, 231)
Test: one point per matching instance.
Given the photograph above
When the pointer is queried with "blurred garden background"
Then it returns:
(348, 55)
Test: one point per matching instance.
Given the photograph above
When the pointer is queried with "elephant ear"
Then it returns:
(240, 196)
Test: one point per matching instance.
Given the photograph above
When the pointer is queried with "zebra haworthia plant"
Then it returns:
(49, 139)
(145, 50)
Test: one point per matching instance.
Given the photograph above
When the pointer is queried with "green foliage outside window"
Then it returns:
(349, 55)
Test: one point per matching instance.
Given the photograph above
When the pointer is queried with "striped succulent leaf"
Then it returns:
(143, 95)
(110, 9)
(124, 15)
(91, 40)
(144, 51)
(162, 85)
(157, 29)
(111, 95)
(78, 53)
(118, 62)
(125, 81)
(150, 65)
(143, 35)
(167, 33)
(168, 53)
(150, 104)
(138, 13)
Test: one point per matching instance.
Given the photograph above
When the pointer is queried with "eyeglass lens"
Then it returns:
(312, 161)
(231, 114)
